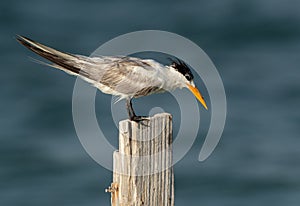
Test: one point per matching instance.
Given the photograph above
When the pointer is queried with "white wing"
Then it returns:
(126, 76)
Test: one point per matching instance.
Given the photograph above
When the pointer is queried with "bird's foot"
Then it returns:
(139, 118)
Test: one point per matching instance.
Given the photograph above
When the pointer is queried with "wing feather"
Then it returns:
(123, 76)
(127, 75)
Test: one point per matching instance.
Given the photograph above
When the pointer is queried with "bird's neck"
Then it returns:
(173, 79)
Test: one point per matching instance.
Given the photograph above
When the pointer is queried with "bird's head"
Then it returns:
(187, 78)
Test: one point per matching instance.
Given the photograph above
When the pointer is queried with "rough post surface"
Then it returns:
(143, 173)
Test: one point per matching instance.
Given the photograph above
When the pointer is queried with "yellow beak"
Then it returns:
(198, 95)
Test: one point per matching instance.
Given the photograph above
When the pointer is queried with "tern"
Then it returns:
(122, 76)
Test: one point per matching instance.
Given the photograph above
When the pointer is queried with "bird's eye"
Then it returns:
(188, 77)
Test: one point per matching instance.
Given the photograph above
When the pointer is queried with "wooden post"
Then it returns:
(143, 172)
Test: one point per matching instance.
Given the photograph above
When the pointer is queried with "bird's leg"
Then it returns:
(130, 109)
(131, 113)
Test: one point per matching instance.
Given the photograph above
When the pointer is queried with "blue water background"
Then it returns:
(254, 44)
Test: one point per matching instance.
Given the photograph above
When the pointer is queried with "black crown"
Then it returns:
(181, 67)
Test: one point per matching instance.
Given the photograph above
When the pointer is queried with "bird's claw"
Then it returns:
(139, 118)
